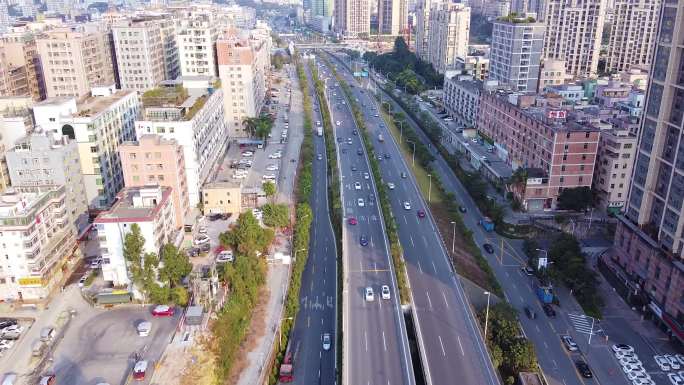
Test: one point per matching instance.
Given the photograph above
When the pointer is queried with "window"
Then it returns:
(586, 145)
(561, 180)
(136, 178)
(563, 168)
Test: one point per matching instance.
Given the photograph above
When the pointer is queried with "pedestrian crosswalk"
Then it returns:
(584, 324)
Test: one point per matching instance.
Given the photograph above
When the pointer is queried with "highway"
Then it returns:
(449, 339)
(375, 341)
(318, 295)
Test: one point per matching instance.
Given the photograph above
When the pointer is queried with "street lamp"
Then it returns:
(453, 238)
(280, 332)
(488, 294)
(401, 129)
(430, 187)
(389, 106)
(413, 158)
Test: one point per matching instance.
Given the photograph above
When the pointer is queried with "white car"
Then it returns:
(257, 213)
(268, 176)
(663, 363)
(366, 175)
(360, 202)
(619, 355)
(569, 343)
(390, 185)
(674, 363)
(622, 348)
(224, 256)
(13, 329)
(272, 167)
(247, 153)
(680, 358)
(632, 368)
(326, 341)
(637, 375)
(675, 379)
(276, 155)
(81, 282)
(239, 176)
(337, 122)
(200, 239)
(629, 360)
(357, 185)
(369, 294)
(407, 205)
(643, 381)
(6, 344)
(385, 292)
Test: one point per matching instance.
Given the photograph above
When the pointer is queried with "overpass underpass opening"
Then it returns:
(413, 346)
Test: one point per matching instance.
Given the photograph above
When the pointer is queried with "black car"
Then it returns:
(387, 156)
(205, 247)
(530, 313)
(548, 309)
(214, 217)
(583, 369)
(488, 248)
(363, 240)
(462, 209)
(355, 132)
(359, 152)
(353, 168)
(193, 252)
(404, 175)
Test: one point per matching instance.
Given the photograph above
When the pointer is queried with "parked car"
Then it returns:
(225, 256)
(488, 248)
(48, 379)
(675, 379)
(162, 311)
(663, 363)
(200, 239)
(622, 348)
(674, 363)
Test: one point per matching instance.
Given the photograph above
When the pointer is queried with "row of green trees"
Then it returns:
(259, 127)
(405, 68)
(158, 284)
(390, 225)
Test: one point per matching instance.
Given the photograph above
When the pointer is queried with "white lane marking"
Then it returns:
(545, 345)
(537, 327)
(420, 267)
(434, 267)
(405, 220)
(445, 300)
(442, 345)
(460, 345)
(427, 293)
(425, 241)
(365, 337)
(384, 343)
(371, 242)
(412, 244)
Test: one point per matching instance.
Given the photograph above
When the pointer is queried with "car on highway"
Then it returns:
(272, 167)
(353, 168)
(674, 363)
(269, 176)
(675, 379)
(569, 343)
(48, 379)
(162, 311)
(319, 157)
(326, 341)
(276, 155)
(144, 328)
(369, 294)
(385, 291)
(359, 151)
(387, 156)
(488, 248)
(355, 132)
(225, 256)
(360, 202)
(583, 369)
(349, 141)
(352, 221)
(530, 313)
(139, 370)
(404, 175)
(357, 185)
(462, 209)
(363, 240)
(407, 205)
(337, 122)
(390, 185)
(421, 213)
(549, 310)
(663, 363)
(366, 175)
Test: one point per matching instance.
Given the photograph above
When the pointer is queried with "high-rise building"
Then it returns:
(322, 8)
(139, 54)
(632, 34)
(448, 35)
(352, 17)
(649, 239)
(423, 28)
(573, 34)
(390, 13)
(4, 17)
(517, 45)
(522, 7)
(197, 34)
(28, 9)
(243, 68)
(75, 59)
(98, 124)
(21, 73)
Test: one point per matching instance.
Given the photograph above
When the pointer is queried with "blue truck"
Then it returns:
(487, 224)
(544, 292)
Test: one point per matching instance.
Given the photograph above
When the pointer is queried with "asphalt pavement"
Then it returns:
(375, 341)
(318, 295)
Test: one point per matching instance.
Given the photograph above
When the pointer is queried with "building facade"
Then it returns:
(516, 53)
(632, 34)
(197, 34)
(573, 34)
(552, 73)
(448, 35)
(222, 198)
(75, 59)
(154, 160)
(423, 28)
(462, 99)
(149, 207)
(98, 124)
(614, 163)
(192, 114)
(21, 73)
(139, 54)
(390, 14)
(352, 17)
(42, 160)
(36, 239)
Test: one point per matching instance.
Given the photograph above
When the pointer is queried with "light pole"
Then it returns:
(389, 106)
(429, 187)
(453, 238)
(413, 158)
(488, 294)
(401, 129)
(280, 331)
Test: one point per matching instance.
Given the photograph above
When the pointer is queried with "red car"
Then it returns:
(162, 311)
(139, 370)
(421, 214)
(352, 221)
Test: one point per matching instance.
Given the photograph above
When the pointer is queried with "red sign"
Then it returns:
(557, 114)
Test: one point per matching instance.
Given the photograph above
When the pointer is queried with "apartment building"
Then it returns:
(422, 13)
(99, 124)
(517, 45)
(222, 198)
(475, 66)
(36, 240)
(155, 160)
(536, 134)
(352, 17)
(139, 54)
(614, 163)
(21, 73)
(573, 34)
(390, 13)
(632, 34)
(462, 99)
(448, 35)
(151, 208)
(190, 111)
(40, 159)
(552, 73)
(75, 59)
(243, 69)
(4, 16)
(649, 243)
(196, 36)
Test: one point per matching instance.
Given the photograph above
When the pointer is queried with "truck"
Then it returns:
(286, 373)
(487, 224)
(319, 130)
(380, 138)
(544, 292)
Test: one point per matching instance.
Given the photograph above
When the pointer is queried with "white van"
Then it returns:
(144, 328)
(47, 333)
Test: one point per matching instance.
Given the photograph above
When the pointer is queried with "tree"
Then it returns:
(246, 236)
(176, 265)
(259, 127)
(575, 199)
(134, 244)
(269, 189)
(276, 215)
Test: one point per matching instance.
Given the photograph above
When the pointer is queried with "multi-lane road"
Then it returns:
(450, 342)
(376, 344)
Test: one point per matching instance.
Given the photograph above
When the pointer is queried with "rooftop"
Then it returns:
(18, 205)
(136, 204)
(517, 19)
(179, 103)
(94, 105)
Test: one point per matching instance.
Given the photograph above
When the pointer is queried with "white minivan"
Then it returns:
(144, 328)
